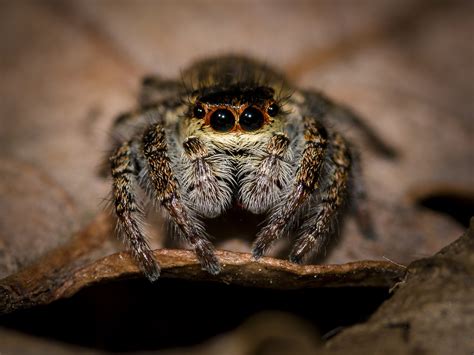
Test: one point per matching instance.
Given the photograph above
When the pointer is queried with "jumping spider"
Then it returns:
(232, 133)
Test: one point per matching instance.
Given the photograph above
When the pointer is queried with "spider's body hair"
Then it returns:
(217, 171)
(292, 167)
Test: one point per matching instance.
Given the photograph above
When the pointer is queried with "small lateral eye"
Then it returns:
(251, 119)
(199, 111)
(273, 110)
(222, 120)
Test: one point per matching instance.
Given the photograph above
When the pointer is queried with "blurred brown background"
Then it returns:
(67, 68)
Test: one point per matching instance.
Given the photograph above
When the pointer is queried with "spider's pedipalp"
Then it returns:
(206, 177)
(264, 176)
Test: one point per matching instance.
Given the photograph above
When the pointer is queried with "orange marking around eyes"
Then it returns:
(236, 111)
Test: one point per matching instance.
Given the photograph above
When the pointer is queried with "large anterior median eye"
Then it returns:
(251, 119)
(222, 120)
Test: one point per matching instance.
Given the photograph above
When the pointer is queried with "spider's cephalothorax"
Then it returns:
(232, 133)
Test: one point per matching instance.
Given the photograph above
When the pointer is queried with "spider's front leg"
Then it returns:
(165, 189)
(128, 210)
(306, 183)
(318, 225)
(321, 106)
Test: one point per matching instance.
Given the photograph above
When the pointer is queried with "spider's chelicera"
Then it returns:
(183, 148)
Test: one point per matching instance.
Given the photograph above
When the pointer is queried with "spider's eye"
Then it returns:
(222, 120)
(199, 111)
(251, 119)
(273, 110)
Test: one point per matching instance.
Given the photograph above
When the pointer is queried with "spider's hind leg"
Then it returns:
(359, 203)
(155, 88)
(318, 105)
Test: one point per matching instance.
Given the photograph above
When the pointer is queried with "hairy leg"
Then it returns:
(128, 210)
(318, 105)
(127, 125)
(359, 203)
(125, 128)
(164, 188)
(307, 177)
(319, 224)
